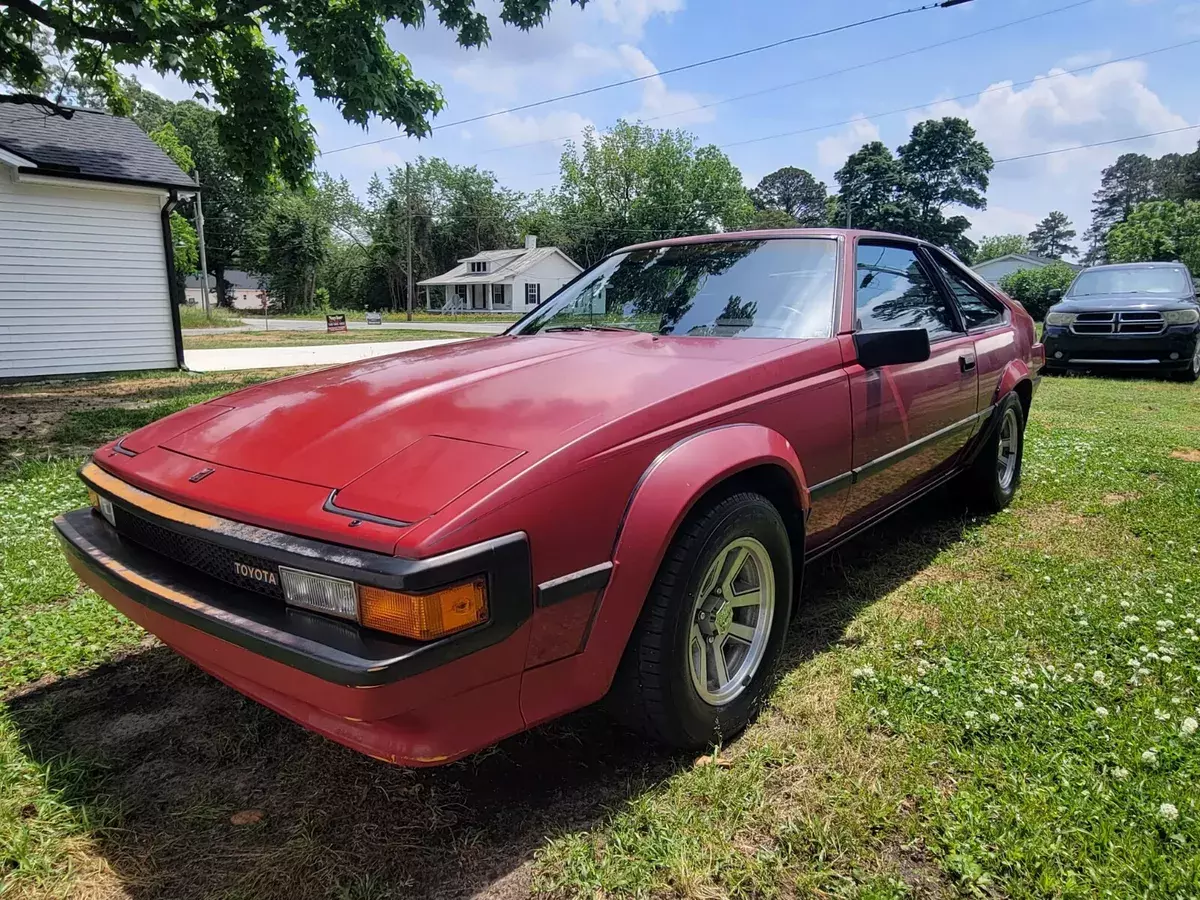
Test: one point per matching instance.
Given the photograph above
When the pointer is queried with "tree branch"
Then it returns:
(45, 17)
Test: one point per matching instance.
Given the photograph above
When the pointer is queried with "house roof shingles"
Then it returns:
(90, 145)
(510, 263)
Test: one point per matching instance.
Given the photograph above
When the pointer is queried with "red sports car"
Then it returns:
(420, 554)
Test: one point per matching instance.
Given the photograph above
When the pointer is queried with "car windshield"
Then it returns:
(764, 288)
(1141, 280)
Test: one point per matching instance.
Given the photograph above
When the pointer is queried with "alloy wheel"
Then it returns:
(1010, 445)
(731, 621)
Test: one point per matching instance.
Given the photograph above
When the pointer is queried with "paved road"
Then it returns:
(282, 357)
(257, 324)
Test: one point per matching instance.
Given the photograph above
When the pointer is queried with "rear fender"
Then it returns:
(1014, 373)
(667, 491)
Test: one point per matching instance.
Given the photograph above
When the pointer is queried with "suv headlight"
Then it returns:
(1060, 318)
(1181, 316)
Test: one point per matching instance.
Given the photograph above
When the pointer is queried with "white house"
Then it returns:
(245, 290)
(86, 260)
(993, 270)
(504, 280)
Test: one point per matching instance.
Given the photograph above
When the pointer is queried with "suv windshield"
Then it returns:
(779, 288)
(1141, 280)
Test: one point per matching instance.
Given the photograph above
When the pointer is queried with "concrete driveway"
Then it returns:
(285, 357)
(258, 324)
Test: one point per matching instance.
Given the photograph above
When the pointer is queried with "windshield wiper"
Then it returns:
(591, 328)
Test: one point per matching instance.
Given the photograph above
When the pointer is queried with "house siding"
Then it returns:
(83, 283)
(551, 273)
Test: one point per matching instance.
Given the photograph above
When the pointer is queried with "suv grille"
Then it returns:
(1133, 322)
(204, 556)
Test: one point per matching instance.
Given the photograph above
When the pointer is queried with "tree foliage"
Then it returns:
(795, 193)
(221, 48)
(1032, 287)
(996, 245)
(1159, 231)
(183, 236)
(291, 241)
(1052, 236)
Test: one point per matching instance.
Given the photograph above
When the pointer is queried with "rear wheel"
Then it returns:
(1192, 372)
(995, 475)
(703, 655)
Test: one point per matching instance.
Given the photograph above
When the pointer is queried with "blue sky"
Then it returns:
(611, 40)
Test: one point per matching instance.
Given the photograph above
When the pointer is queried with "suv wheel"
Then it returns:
(1192, 372)
(993, 478)
(702, 658)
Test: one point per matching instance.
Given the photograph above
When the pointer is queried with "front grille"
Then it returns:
(204, 556)
(1132, 322)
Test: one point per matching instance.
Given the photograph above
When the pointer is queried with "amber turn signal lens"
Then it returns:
(93, 499)
(423, 616)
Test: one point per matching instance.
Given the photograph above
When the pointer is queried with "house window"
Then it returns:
(460, 294)
(497, 295)
(477, 267)
(533, 294)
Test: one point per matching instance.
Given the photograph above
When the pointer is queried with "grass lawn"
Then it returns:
(999, 707)
(299, 338)
(220, 317)
(358, 315)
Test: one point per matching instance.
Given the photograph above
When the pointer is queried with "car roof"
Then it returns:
(1139, 265)
(773, 233)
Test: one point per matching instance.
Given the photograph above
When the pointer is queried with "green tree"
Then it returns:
(222, 48)
(794, 192)
(291, 243)
(1161, 231)
(1123, 185)
(183, 235)
(1032, 287)
(769, 217)
(636, 183)
(1052, 236)
(996, 245)
(871, 190)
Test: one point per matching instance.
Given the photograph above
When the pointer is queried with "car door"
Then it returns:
(909, 421)
(986, 320)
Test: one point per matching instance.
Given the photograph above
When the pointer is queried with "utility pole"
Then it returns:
(849, 213)
(408, 203)
(203, 256)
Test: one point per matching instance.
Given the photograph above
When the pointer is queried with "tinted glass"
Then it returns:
(892, 291)
(773, 289)
(978, 309)
(1136, 280)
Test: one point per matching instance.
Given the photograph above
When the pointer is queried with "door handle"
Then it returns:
(966, 363)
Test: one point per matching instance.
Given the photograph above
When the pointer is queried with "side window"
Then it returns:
(979, 309)
(892, 291)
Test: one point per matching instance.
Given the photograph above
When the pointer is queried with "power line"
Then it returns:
(683, 68)
(814, 78)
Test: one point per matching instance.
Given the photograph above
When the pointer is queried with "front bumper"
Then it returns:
(1172, 349)
(408, 702)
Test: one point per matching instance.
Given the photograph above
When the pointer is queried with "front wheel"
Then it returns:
(993, 477)
(1192, 372)
(702, 658)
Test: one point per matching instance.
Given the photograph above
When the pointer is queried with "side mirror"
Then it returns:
(1054, 294)
(891, 348)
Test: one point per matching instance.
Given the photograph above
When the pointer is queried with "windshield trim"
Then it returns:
(835, 323)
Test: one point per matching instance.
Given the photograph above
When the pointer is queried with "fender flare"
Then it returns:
(667, 491)
(1014, 373)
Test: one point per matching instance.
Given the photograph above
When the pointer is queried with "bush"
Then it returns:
(1032, 287)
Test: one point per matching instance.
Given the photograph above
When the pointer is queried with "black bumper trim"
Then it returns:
(331, 649)
(557, 590)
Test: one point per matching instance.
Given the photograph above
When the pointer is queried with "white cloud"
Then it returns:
(833, 150)
(1188, 15)
(1064, 111)
(632, 15)
(512, 129)
(659, 101)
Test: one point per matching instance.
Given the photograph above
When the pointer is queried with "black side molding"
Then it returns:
(593, 578)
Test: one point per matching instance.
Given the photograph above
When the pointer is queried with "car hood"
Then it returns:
(1114, 302)
(454, 413)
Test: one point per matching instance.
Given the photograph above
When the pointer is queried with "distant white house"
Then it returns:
(993, 270)
(246, 290)
(86, 253)
(504, 280)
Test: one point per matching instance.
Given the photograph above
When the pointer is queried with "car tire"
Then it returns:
(668, 686)
(1192, 372)
(994, 476)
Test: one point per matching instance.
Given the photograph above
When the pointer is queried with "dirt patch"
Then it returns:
(1118, 499)
(1186, 455)
(1054, 528)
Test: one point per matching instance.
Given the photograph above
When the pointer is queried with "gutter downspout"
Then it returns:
(172, 290)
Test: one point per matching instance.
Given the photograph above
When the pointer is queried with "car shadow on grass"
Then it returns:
(174, 755)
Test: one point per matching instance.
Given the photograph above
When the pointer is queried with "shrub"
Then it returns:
(1032, 287)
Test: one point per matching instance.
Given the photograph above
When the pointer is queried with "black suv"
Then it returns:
(1132, 316)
